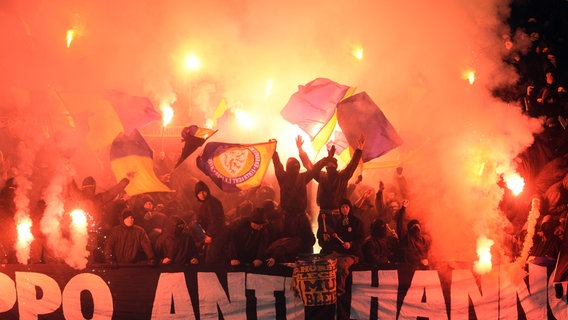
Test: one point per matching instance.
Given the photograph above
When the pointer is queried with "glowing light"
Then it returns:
(192, 62)
(209, 123)
(70, 35)
(514, 182)
(79, 220)
(25, 236)
(244, 119)
(483, 265)
(358, 53)
(167, 113)
(268, 89)
(469, 76)
(482, 168)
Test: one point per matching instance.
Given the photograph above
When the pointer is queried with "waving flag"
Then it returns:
(193, 138)
(220, 110)
(134, 112)
(359, 114)
(132, 158)
(313, 106)
(236, 167)
(93, 115)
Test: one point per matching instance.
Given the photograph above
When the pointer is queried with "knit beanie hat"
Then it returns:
(127, 213)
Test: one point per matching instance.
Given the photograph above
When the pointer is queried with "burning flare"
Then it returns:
(358, 53)
(192, 62)
(469, 76)
(244, 119)
(167, 113)
(483, 265)
(514, 182)
(70, 36)
(78, 228)
(79, 220)
(25, 238)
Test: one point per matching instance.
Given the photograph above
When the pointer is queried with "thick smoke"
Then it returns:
(22, 217)
(457, 137)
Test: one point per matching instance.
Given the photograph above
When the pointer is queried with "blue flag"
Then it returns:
(359, 114)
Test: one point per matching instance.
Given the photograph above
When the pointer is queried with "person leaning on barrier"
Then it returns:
(174, 245)
(211, 222)
(249, 240)
(128, 243)
(345, 244)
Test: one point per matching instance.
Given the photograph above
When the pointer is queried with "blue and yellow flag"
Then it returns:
(235, 167)
(132, 158)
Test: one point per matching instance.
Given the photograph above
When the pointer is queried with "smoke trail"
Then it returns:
(51, 221)
(22, 201)
(55, 224)
(534, 214)
(413, 66)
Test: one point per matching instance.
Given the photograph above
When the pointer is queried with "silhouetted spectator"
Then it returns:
(382, 246)
(344, 244)
(416, 245)
(249, 240)
(211, 219)
(173, 245)
(331, 190)
(128, 243)
(546, 244)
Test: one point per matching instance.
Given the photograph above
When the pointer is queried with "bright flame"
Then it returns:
(192, 62)
(167, 113)
(358, 53)
(268, 89)
(25, 236)
(244, 119)
(78, 220)
(514, 182)
(70, 35)
(483, 265)
(469, 76)
(209, 123)
(482, 168)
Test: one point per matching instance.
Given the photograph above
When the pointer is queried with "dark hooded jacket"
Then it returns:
(247, 244)
(416, 244)
(292, 182)
(379, 248)
(128, 245)
(211, 218)
(210, 214)
(333, 184)
(349, 229)
(174, 243)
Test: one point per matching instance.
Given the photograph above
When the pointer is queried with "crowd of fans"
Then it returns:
(263, 228)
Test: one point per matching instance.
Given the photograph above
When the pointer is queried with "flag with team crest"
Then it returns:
(235, 167)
